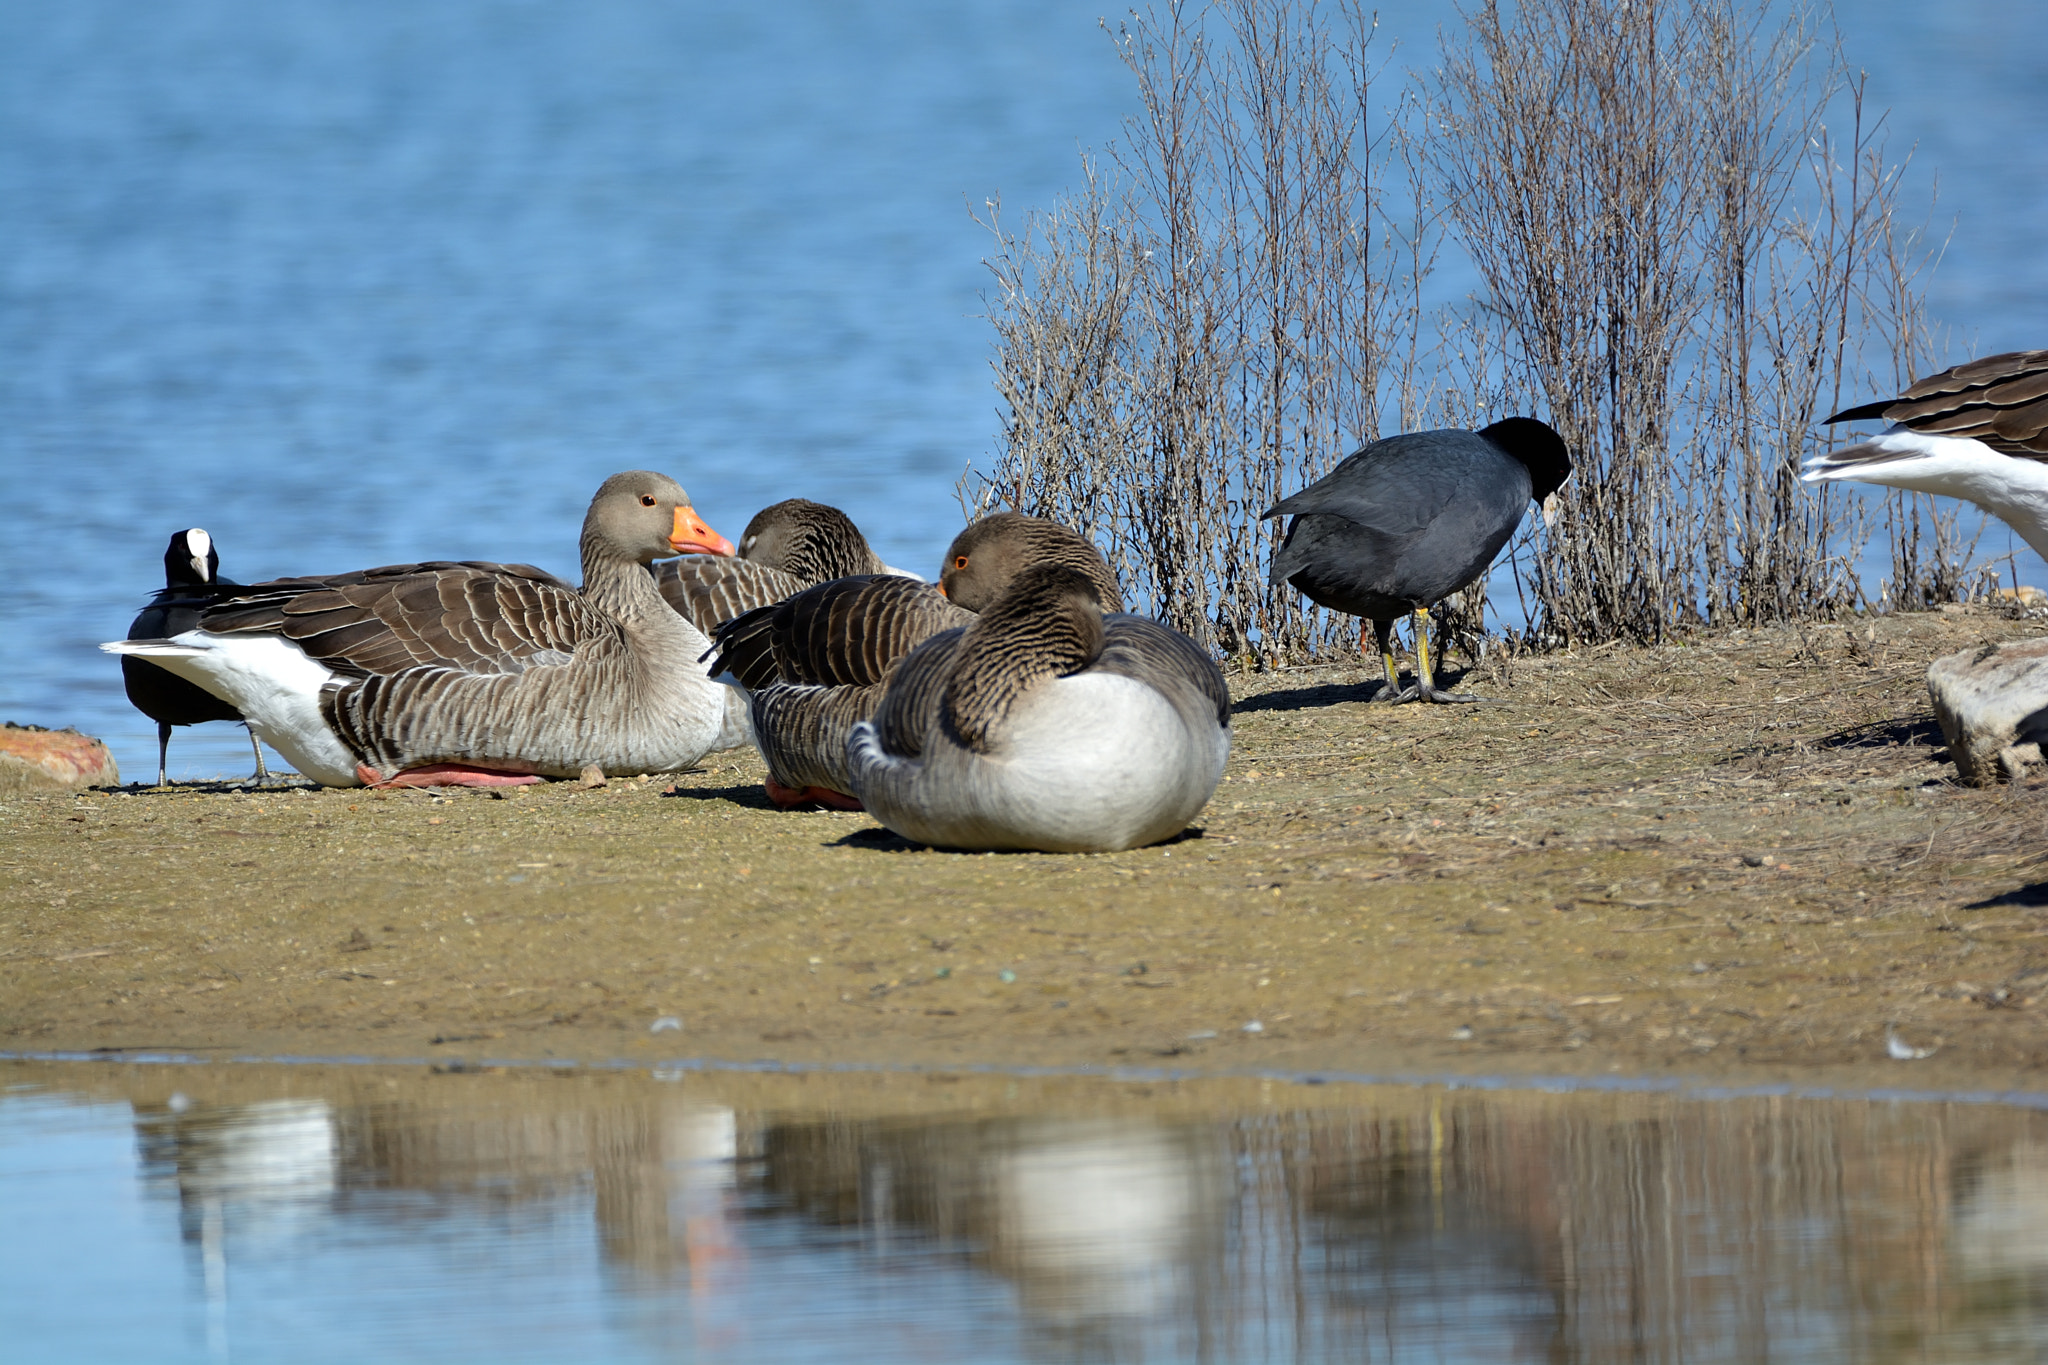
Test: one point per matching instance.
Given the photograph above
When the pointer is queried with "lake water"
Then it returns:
(355, 284)
(275, 1214)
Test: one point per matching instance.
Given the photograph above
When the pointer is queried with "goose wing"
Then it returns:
(470, 617)
(801, 731)
(1160, 656)
(2000, 400)
(916, 695)
(844, 633)
(708, 589)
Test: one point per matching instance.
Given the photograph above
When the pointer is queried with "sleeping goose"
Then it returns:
(1045, 725)
(191, 580)
(1978, 432)
(821, 661)
(1409, 520)
(793, 545)
(469, 674)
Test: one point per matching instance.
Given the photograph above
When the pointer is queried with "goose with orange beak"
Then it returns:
(476, 674)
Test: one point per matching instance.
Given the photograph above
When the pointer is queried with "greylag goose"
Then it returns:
(822, 660)
(1407, 521)
(469, 674)
(1978, 432)
(191, 580)
(1045, 725)
(793, 545)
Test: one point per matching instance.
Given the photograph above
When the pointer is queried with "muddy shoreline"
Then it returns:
(1738, 859)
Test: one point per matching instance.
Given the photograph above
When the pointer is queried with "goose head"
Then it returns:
(986, 558)
(809, 540)
(640, 516)
(1046, 624)
(191, 558)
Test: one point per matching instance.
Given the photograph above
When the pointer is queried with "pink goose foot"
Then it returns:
(788, 798)
(445, 775)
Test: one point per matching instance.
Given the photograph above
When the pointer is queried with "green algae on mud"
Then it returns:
(1736, 855)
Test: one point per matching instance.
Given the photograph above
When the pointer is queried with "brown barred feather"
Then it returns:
(911, 704)
(844, 633)
(825, 659)
(802, 731)
(2001, 400)
(1048, 624)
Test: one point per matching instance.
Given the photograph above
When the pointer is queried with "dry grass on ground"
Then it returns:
(1741, 855)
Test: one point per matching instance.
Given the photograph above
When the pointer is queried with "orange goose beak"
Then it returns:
(692, 537)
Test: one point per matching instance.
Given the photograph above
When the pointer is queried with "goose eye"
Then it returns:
(960, 562)
(647, 499)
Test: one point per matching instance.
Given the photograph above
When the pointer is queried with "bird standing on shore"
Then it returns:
(191, 574)
(1978, 431)
(1407, 521)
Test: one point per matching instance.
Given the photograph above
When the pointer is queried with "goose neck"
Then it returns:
(623, 587)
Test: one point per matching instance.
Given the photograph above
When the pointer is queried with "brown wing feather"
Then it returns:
(916, 695)
(844, 633)
(709, 589)
(2001, 400)
(801, 731)
(469, 617)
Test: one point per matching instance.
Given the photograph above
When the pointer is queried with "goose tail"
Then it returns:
(153, 649)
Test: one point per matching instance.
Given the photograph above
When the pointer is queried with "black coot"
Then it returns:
(1408, 521)
(191, 566)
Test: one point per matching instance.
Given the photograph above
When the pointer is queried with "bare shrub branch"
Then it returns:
(1683, 267)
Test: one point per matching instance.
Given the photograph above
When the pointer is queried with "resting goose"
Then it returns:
(1407, 521)
(1045, 725)
(470, 674)
(1978, 432)
(793, 545)
(821, 661)
(191, 580)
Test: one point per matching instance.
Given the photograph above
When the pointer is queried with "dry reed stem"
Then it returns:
(1683, 270)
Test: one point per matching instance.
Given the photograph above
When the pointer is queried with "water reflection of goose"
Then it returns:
(268, 1170)
(2001, 1222)
(270, 1152)
(1108, 1232)
(1101, 1221)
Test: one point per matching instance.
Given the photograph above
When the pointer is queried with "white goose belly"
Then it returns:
(1093, 762)
(275, 686)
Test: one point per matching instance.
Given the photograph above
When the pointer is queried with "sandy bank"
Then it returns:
(1738, 857)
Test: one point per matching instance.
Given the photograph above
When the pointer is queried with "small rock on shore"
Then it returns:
(1992, 703)
(33, 759)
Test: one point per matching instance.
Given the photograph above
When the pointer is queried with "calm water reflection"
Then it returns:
(247, 1213)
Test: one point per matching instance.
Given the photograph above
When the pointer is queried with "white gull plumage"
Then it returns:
(1978, 431)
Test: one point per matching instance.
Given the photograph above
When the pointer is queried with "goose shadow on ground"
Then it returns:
(1319, 695)
(752, 795)
(213, 787)
(875, 839)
